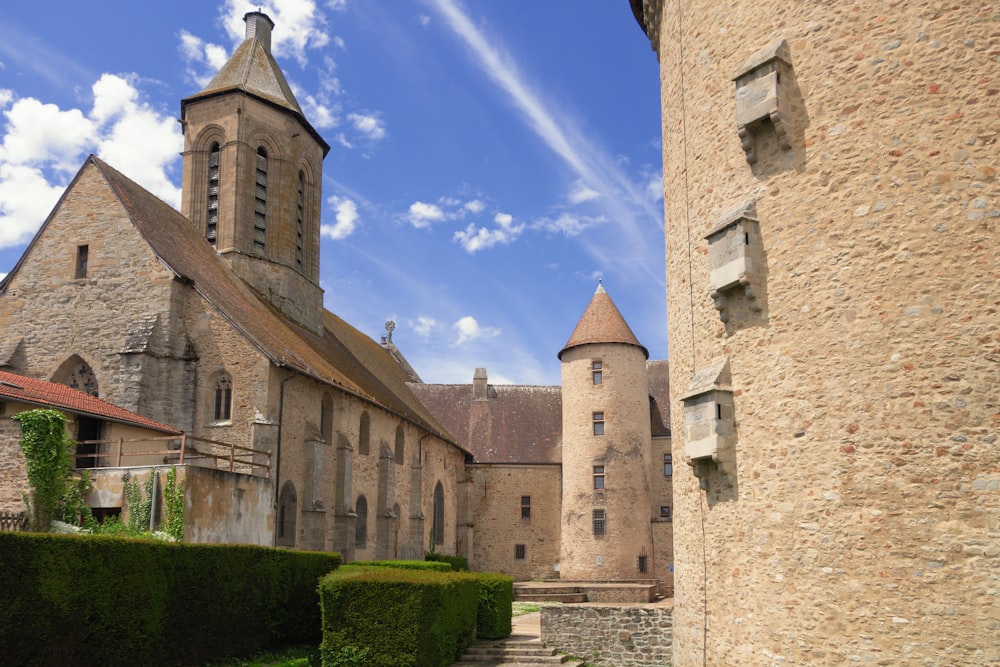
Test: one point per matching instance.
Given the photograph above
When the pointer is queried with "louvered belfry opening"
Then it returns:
(260, 203)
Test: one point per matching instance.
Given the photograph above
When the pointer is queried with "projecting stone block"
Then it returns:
(762, 96)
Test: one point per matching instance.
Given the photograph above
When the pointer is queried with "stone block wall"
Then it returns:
(13, 475)
(614, 635)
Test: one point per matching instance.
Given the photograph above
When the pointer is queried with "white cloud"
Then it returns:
(474, 206)
(473, 239)
(581, 193)
(567, 224)
(468, 329)
(654, 186)
(203, 58)
(42, 147)
(346, 212)
(298, 25)
(369, 125)
(423, 326)
(422, 214)
(6, 96)
(2, 275)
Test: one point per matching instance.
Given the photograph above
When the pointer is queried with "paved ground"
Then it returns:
(527, 627)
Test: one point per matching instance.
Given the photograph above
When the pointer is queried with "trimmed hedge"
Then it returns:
(496, 605)
(72, 599)
(457, 563)
(403, 564)
(388, 617)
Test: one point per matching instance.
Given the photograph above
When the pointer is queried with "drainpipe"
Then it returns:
(277, 453)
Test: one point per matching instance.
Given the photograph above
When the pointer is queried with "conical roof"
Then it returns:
(602, 323)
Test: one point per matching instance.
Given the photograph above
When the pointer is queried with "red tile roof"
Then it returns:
(60, 397)
(602, 322)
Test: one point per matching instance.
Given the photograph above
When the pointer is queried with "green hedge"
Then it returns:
(457, 563)
(103, 600)
(403, 564)
(496, 602)
(388, 617)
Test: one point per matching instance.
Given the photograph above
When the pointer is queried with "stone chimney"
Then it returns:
(259, 27)
(479, 385)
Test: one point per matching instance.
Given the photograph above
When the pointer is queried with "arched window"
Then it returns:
(439, 514)
(365, 434)
(300, 220)
(223, 404)
(400, 444)
(287, 509)
(260, 203)
(361, 523)
(326, 418)
(212, 224)
(76, 373)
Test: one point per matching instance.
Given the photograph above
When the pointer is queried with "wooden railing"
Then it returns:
(180, 450)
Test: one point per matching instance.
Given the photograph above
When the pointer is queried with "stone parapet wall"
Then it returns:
(619, 635)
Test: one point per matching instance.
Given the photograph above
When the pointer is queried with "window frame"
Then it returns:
(526, 507)
(520, 552)
(599, 519)
(597, 372)
(598, 421)
(600, 477)
(668, 465)
(222, 403)
(82, 261)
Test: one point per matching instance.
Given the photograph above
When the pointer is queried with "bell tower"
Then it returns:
(252, 175)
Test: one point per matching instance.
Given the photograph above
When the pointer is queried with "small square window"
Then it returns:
(665, 512)
(525, 507)
(668, 465)
(599, 522)
(599, 477)
(520, 553)
(598, 418)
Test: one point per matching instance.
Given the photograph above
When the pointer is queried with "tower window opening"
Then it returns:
(212, 221)
(520, 552)
(300, 220)
(525, 507)
(597, 372)
(600, 522)
(599, 477)
(598, 419)
(260, 203)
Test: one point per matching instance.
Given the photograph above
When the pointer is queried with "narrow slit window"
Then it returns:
(599, 478)
(82, 259)
(600, 522)
(525, 507)
(300, 220)
(598, 419)
(223, 399)
(212, 221)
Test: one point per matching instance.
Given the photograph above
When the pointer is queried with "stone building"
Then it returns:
(830, 180)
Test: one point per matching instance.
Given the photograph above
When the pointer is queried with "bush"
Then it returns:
(82, 599)
(402, 618)
(496, 603)
(436, 566)
(457, 563)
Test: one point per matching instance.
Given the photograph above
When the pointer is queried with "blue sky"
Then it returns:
(490, 161)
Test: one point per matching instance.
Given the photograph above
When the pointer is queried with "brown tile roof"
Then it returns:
(60, 397)
(602, 322)
(342, 356)
(658, 372)
(516, 424)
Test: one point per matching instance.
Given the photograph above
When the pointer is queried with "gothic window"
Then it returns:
(364, 434)
(260, 203)
(326, 418)
(598, 419)
(400, 444)
(300, 220)
(597, 372)
(78, 375)
(361, 523)
(439, 514)
(287, 509)
(82, 258)
(525, 507)
(212, 221)
(599, 522)
(599, 478)
(223, 404)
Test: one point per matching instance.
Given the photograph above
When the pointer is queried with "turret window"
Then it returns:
(597, 372)
(600, 522)
(212, 223)
(598, 419)
(599, 477)
(260, 203)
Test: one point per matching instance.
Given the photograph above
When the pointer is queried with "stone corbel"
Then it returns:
(762, 96)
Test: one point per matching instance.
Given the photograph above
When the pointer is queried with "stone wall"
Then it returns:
(857, 518)
(616, 635)
(13, 474)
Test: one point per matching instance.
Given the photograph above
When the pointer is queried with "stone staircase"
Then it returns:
(513, 653)
(524, 592)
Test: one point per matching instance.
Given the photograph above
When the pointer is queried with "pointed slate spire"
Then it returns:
(253, 69)
(602, 323)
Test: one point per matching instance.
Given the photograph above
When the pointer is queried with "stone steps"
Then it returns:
(537, 593)
(513, 653)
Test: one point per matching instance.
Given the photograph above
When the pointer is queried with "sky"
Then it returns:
(490, 162)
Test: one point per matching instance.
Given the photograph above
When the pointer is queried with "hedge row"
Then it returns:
(387, 617)
(457, 563)
(404, 564)
(104, 600)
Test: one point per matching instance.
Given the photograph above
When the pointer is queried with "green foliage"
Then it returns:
(345, 656)
(73, 506)
(46, 449)
(140, 509)
(404, 564)
(173, 505)
(457, 563)
(86, 599)
(404, 618)
(496, 601)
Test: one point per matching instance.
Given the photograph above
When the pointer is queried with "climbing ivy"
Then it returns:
(140, 509)
(173, 505)
(46, 447)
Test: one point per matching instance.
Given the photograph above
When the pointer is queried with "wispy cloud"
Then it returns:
(346, 216)
(369, 125)
(468, 329)
(472, 238)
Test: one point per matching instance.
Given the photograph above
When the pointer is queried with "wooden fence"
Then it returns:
(13, 521)
(180, 450)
